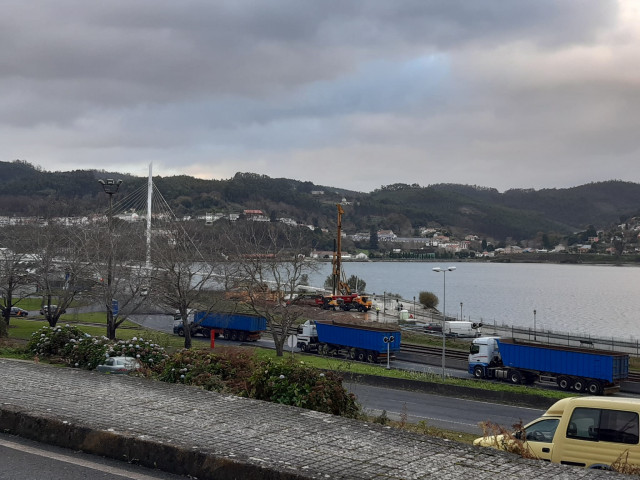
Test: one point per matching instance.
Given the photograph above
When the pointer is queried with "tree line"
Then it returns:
(518, 213)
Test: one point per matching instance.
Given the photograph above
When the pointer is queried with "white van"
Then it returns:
(592, 432)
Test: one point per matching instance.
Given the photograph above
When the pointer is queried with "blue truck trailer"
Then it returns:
(570, 368)
(232, 326)
(363, 342)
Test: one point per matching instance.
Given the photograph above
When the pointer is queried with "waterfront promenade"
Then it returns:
(189, 431)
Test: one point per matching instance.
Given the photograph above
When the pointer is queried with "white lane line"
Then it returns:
(76, 461)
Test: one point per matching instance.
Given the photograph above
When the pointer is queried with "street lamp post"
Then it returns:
(444, 309)
(414, 308)
(110, 187)
(460, 311)
(535, 338)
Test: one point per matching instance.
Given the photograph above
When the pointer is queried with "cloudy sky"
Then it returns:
(347, 93)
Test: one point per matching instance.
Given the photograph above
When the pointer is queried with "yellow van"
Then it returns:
(592, 432)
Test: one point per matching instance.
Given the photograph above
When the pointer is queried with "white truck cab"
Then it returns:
(482, 353)
(307, 336)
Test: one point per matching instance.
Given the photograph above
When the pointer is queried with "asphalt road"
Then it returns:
(26, 460)
(458, 415)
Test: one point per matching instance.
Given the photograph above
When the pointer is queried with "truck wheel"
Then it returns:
(234, 335)
(372, 357)
(352, 354)
(226, 334)
(181, 332)
(579, 384)
(478, 371)
(206, 333)
(323, 349)
(361, 356)
(565, 383)
(303, 347)
(594, 387)
(515, 377)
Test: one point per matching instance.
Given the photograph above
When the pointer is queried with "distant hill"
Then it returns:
(519, 214)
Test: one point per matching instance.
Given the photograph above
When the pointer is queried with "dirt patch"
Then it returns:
(12, 342)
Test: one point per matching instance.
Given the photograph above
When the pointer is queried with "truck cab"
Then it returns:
(483, 353)
(307, 336)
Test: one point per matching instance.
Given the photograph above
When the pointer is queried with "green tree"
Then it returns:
(428, 299)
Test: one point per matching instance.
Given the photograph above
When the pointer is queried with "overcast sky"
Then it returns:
(353, 94)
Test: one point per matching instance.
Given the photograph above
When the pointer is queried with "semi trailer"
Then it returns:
(232, 326)
(366, 343)
(570, 368)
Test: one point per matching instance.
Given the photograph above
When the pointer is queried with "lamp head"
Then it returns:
(110, 186)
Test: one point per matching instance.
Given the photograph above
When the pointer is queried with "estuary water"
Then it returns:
(586, 299)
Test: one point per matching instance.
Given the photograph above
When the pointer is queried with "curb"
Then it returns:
(136, 450)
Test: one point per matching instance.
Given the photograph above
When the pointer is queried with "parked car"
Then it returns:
(18, 312)
(119, 365)
(433, 328)
(45, 309)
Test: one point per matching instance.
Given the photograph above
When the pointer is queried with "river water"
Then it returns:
(583, 299)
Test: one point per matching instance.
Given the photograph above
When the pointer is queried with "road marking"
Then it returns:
(76, 461)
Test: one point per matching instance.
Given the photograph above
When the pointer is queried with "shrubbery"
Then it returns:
(51, 341)
(231, 370)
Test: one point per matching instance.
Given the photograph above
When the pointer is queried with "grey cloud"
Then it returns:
(458, 88)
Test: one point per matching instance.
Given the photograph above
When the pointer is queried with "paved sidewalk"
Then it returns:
(209, 435)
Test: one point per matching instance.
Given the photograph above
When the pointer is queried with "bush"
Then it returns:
(87, 352)
(227, 371)
(240, 373)
(51, 341)
(428, 299)
(296, 384)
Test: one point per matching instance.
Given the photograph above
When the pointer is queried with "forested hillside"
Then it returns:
(519, 214)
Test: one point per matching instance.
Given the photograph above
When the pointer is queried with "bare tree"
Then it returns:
(272, 260)
(185, 274)
(14, 271)
(60, 270)
(116, 258)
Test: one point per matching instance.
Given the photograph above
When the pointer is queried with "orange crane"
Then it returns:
(342, 296)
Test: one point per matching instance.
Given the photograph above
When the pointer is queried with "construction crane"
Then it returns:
(340, 286)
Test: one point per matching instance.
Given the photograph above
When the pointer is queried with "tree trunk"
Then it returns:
(4, 328)
(278, 341)
(111, 325)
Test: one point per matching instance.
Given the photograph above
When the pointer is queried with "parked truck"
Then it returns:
(570, 368)
(232, 326)
(366, 343)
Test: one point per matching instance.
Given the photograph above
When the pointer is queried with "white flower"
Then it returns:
(281, 377)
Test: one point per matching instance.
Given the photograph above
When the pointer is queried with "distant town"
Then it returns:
(429, 242)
